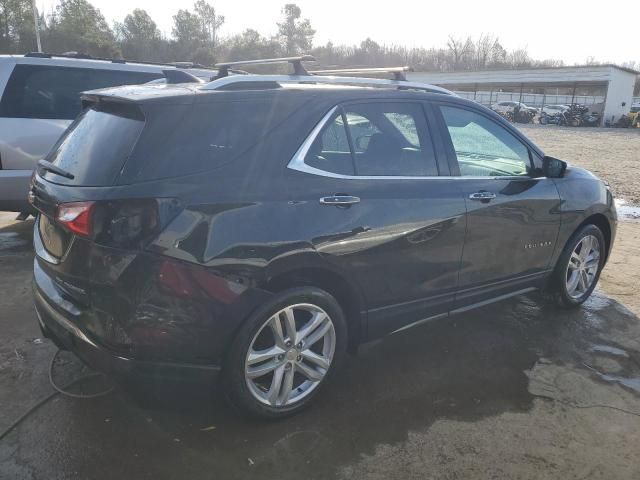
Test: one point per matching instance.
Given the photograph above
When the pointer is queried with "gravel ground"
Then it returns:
(611, 153)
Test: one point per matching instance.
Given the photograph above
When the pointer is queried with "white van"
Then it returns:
(39, 97)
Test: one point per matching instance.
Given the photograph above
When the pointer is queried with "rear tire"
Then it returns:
(285, 353)
(578, 268)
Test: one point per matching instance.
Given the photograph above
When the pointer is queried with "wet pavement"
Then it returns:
(519, 389)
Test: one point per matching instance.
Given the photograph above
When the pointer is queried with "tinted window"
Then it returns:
(330, 151)
(388, 139)
(97, 144)
(49, 92)
(396, 143)
(182, 140)
(483, 147)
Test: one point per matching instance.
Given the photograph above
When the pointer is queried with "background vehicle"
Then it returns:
(503, 107)
(553, 109)
(260, 224)
(40, 96)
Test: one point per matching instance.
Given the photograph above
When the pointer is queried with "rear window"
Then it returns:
(97, 144)
(51, 92)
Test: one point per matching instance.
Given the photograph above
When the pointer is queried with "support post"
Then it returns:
(35, 23)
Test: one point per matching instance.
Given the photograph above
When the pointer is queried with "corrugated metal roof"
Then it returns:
(591, 74)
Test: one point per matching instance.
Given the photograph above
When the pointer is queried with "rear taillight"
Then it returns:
(76, 217)
(127, 223)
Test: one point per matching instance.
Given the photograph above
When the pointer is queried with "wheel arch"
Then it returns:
(602, 222)
(347, 295)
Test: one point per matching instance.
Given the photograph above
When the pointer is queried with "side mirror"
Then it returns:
(553, 167)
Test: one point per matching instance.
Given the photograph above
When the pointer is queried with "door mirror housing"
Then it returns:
(553, 167)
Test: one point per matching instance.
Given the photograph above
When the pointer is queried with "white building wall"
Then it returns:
(619, 94)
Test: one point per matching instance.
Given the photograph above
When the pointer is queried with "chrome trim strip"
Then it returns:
(420, 322)
(493, 300)
(63, 322)
(297, 163)
(466, 309)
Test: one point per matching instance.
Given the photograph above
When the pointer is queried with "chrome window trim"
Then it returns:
(297, 163)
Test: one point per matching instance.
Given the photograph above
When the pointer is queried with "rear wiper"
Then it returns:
(50, 167)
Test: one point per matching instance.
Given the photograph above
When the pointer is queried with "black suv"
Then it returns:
(259, 225)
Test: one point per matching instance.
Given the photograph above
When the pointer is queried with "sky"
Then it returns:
(567, 30)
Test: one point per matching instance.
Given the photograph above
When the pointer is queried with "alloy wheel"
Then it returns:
(290, 355)
(583, 266)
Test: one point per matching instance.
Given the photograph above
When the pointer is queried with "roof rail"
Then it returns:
(83, 56)
(234, 81)
(398, 72)
(296, 62)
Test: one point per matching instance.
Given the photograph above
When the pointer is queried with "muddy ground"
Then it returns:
(519, 389)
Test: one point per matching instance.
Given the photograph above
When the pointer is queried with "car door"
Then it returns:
(512, 212)
(385, 211)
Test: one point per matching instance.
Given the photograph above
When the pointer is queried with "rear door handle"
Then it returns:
(339, 200)
(482, 196)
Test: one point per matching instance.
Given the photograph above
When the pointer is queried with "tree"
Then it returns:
(17, 31)
(250, 44)
(460, 50)
(76, 25)
(210, 21)
(295, 34)
(196, 33)
(139, 37)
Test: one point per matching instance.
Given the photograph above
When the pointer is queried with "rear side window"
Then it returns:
(376, 139)
(95, 146)
(50, 92)
(181, 140)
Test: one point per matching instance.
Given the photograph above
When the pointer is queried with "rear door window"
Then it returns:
(376, 139)
(51, 92)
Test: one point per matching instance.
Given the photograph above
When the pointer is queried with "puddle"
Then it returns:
(626, 211)
(611, 350)
(11, 240)
(630, 383)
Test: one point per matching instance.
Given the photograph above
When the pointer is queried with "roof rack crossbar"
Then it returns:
(223, 83)
(398, 72)
(296, 62)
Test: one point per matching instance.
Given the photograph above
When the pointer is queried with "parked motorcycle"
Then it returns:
(560, 118)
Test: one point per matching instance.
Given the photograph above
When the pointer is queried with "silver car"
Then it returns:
(39, 98)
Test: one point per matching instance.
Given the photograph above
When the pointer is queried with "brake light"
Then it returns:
(76, 217)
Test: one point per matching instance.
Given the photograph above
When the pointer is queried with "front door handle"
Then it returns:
(482, 196)
(339, 200)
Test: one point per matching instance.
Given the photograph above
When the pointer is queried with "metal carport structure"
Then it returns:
(615, 82)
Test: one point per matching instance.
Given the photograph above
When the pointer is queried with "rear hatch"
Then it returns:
(91, 152)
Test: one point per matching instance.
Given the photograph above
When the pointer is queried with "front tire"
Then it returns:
(285, 352)
(579, 267)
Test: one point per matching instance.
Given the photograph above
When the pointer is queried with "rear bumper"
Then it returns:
(67, 336)
(14, 187)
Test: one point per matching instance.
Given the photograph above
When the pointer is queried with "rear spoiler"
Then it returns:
(180, 76)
